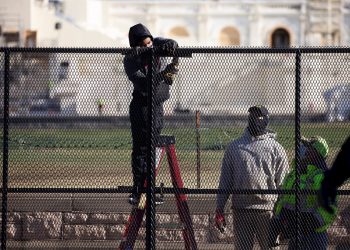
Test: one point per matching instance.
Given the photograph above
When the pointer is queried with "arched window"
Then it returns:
(229, 36)
(179, 32)
(280, 39)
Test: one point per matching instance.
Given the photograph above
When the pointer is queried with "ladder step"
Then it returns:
(165, 140)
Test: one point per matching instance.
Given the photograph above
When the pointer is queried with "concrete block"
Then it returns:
(107, 218)
(84, 232)
(42, 225)
(75, 218)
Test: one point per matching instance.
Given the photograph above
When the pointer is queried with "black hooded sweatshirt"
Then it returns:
(340, 170)
(136, 67)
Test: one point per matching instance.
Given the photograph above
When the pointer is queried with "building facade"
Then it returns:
(268, 23)
(76, 81)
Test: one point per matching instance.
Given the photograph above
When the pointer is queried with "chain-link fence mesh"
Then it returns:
(72, 146)
(60, 101)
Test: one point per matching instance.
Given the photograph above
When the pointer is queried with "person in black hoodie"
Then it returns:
(136, 67)
(335, 177)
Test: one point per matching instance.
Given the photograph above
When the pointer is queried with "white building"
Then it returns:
(101, 23)
(228, 22)
(105, 23)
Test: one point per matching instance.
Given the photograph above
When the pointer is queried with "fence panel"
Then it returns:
(70, 144)
(220, 88)
(69, 147)
(325, 110)
(59, 152)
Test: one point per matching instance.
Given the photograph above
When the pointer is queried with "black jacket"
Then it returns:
(136, 67)
(340, 170)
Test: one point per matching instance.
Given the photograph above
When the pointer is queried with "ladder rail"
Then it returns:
(181, 199)
(166, 145)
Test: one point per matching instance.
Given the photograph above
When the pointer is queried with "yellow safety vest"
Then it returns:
(311, 180)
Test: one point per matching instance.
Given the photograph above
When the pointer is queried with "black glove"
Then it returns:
(169, 72)
(169, 48)
(172, 68)
(327, 196)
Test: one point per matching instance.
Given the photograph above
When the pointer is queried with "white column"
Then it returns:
(302, 19)
(202, 21)
(253, 27)
(94, 14)
(342, 24)
(151, 19)
(329, 23)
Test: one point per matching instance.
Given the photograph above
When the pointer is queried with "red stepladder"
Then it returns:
(166, 144)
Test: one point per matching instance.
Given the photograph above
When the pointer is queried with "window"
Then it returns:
(229, 36)
(180, 32)
(63, 71)
(280, 39)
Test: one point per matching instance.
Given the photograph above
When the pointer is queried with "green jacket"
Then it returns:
(311, 180)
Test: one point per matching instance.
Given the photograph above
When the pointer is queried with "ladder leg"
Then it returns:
(132, 229)
(137, 213)
(181, 199)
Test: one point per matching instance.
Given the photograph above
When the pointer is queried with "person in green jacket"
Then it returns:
(314, 219)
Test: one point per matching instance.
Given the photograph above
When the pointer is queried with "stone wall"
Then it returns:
(104, 218)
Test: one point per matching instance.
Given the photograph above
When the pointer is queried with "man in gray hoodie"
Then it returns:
(254, 161)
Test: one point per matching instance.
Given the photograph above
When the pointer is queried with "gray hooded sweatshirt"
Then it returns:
(252, 163)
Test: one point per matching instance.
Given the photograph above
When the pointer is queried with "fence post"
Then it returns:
(5, 148)
(150, 209)
(198, 150)
(297, 145)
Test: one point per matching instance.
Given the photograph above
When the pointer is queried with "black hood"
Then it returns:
(137, 33)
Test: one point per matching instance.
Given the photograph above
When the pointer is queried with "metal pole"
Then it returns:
(5, 149)
(198, 150)
(150, 209)
(297, 145)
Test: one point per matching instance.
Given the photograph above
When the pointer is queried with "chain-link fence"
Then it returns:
(82, 128)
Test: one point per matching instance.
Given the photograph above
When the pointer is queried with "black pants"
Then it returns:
(139, 119)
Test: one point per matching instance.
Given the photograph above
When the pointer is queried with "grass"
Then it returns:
(101, 158)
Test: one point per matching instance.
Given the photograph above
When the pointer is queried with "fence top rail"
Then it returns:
(186, 50)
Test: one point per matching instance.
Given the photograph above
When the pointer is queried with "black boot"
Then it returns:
(134, 197)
